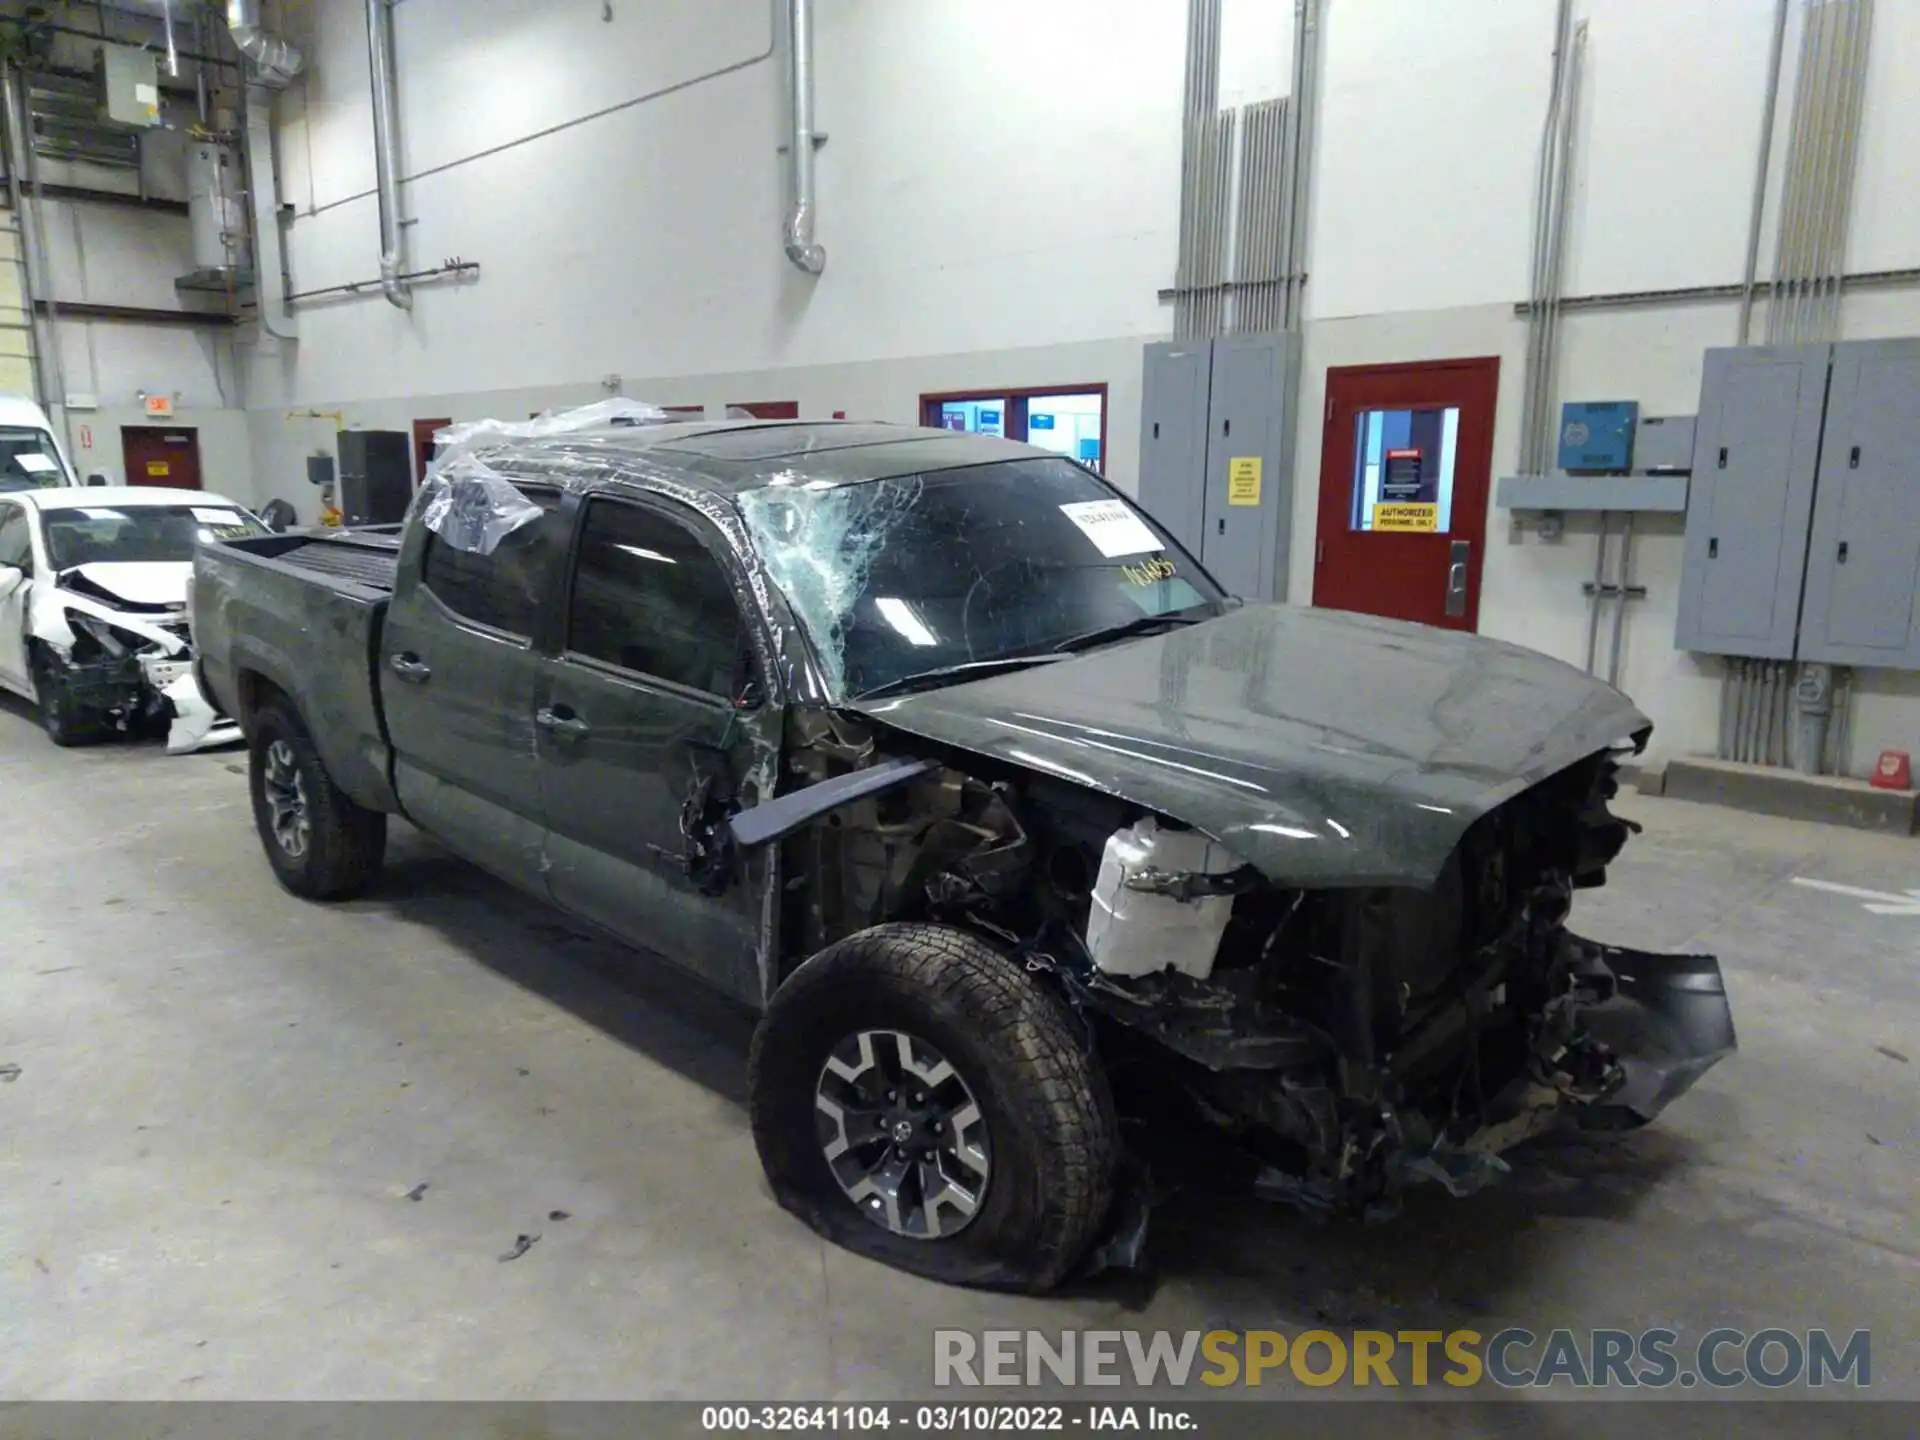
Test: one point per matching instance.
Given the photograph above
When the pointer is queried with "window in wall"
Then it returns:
(1403, 469)
(1070, 420)
(503, 590)
(650, 598)
(764, 410)
(976, 417)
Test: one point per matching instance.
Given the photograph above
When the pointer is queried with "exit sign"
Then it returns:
(159, 407)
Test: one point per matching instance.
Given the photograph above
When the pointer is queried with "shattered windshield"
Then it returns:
(28, 460)
(135, 534)
(893, 578)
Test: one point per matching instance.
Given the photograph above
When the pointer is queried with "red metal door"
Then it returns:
(1406, 465)
(423, 432)
(165, 457)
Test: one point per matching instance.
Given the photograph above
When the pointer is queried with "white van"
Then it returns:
(30, 457)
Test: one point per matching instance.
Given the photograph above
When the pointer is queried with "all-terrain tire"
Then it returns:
(1049, 1115)
(344, 842)
(67, 723)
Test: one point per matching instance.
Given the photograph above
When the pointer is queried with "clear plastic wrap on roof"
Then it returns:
(469, 434)
(472, 506)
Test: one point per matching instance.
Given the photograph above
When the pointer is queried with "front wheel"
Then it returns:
(320, 843)
(66, 721)
(919, 1098)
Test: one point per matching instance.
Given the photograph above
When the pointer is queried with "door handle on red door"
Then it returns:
(1459, 553)
(560, 726)
(410, 667)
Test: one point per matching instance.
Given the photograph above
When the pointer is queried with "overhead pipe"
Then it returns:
(271, 281)
(1556, 262)
(275, 61)
(45, 337)
(1763, 163)
(1533, 429)
(1853, 102)
(1833, 79)
(802, 249)
(386, 156)
(1303, 108)
(173, 54)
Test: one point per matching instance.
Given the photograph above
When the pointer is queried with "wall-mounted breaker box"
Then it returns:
(1663, 444)
(1216, 453)
(1806, 483)
(1597, 435)
(129, 86)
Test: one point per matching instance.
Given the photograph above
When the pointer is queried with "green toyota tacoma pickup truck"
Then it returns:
(959, 769)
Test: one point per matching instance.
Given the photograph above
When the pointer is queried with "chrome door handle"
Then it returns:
(410, 667)
(1459, 552)
(561, 727)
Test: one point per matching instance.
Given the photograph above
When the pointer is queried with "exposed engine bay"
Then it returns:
(1351, 1040)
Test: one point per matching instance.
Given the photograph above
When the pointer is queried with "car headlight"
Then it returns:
(115, 642)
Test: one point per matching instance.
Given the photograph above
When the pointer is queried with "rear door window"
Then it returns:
(503, 590)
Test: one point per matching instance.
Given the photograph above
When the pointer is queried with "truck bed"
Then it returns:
(302, 613)
(367, 559)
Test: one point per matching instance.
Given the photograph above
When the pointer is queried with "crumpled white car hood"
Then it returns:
(151, 582)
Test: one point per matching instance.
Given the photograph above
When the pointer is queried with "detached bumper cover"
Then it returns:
(1668, 1024)
(1665, 1024)
(196, 724)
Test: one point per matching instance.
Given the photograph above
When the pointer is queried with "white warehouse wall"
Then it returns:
(999, 200)
(100, 253)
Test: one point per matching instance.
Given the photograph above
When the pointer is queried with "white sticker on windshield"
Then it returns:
(215, 517)
(103, 514)
(1113, 527)
(34, 464)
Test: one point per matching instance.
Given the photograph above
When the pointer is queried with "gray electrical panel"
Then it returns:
(1216, 443)
(1176, 382)
(1863, 560)
(1663, 444)
(1756, 449)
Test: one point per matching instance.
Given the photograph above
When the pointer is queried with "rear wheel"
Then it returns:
(320, 843)
(920, 1098)
(66, 721)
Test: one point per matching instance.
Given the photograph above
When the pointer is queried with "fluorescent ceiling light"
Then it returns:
(645, 554)
(900, 616)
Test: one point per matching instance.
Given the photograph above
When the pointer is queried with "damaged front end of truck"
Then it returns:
(1350, 1040)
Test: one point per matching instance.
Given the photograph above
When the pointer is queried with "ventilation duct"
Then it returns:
(275, 62)
(386, 152)
(801, 247)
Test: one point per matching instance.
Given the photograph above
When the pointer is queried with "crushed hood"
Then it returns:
(1325, 748)
(144, 583)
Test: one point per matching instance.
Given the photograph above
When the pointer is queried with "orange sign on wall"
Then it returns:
(159, 407)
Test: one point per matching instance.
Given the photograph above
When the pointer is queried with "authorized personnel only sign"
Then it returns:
(1407, 517)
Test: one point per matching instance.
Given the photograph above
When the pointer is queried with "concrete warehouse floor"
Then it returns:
(257, 1148)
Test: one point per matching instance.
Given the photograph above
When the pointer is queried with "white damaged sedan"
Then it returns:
(93, 608)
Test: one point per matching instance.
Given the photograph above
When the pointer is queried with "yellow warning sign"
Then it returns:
(1406, 517)
(159, 469)
(1243, 480)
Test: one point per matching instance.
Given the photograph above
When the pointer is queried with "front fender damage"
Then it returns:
(1332, 1046)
